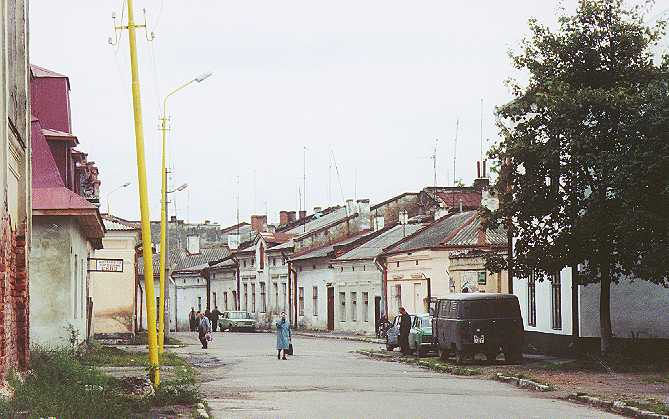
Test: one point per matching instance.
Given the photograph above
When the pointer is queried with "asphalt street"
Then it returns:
(242, 378)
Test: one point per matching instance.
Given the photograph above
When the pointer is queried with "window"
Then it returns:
(341, 269)
(262, 257)
(301, 301)
(283, 261)
(313, 267)
(284, 287)
(342, 302)
(253, 261)
(244, 263)
(253, 298)
(199, 303)
(398, 296)
(531, 301)
(314, 293)
(482, 280)
(364, 267)
(263, 298)
(556, 301)
(416, 263)
(276, 295)
(273, 261)
(215, 302)
(225, 300)
(354, 306)
(246, 296)
(76, 286)
(365, 306)
(398, 264)
(234, 300)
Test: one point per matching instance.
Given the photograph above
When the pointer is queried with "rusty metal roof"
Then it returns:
(374, 247)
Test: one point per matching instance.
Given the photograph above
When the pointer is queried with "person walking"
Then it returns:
(215, 315)
(405, 327)
(192, 319)
(204, 330)
(283, 336)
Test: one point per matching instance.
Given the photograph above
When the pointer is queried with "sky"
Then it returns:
(359, 90)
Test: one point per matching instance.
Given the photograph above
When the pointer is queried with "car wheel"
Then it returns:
(443, 354)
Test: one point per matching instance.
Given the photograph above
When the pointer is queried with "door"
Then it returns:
(377, 313)
(418, 298)
(331, 306)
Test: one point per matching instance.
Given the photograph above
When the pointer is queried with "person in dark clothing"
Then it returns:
(405, 327)
(215, 314)
(204, 330)
(192, 319)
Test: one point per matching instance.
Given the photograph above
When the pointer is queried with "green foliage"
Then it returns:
(107, 356)
(586, 145)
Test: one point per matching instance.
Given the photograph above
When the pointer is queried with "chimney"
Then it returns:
(363, 218)
(317, 210)
(291, 216)
(350, 206)
(259, 223)
(379, 222)
(193, 245)
(173, 218)
(283, 218)
(303, 214)
(481, 182)
(271, 228)
(404, 217)
(440, 212)
(206, 222)
(363, 206)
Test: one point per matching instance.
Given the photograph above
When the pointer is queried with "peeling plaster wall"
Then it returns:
(59, 281)
(366, 278)
(308, 278)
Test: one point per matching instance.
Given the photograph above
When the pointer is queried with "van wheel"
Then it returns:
(389, 348)
(459, 357)
(443, 354)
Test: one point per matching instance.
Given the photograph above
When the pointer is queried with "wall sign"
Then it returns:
(105, 265)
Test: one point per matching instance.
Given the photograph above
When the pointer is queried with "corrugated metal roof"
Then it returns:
(436, 233)
(375, 246)
(319, 222)
(452, 199)
(325, 251)
(181, 259)
(116, 224)
(470, 236)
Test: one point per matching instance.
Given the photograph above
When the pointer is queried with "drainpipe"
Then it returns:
(292, 293)
(382, 266)
(207, 278)
(575, 326)
(239, 290)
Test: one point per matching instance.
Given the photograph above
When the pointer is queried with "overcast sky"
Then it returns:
(373, 83)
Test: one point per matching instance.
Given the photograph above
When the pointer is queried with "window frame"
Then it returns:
(532, 300)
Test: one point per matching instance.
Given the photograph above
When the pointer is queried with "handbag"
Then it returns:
(209, 337)
(289, 351)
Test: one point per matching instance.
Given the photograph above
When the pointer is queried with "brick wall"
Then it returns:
(14, 317)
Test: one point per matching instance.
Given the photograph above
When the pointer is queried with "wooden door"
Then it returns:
(331, 306)
(377, 313)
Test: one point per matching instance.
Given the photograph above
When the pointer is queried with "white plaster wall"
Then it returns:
(638, 308)
(56, 290)
(188, 290)
(221, 283)
(309, 278)
(365, 278)
(543, 303)
(113, 292)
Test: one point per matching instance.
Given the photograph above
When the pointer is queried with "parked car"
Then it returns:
(237, 320)
(420, 335)
(467, 324)
(393, 333)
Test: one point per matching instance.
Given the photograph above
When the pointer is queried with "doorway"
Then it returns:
(331, 305)
(377, 313)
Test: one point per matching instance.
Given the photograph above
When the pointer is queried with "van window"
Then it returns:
(444, 308)
(490, 309)
(454, 310)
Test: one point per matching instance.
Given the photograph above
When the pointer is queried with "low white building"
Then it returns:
(562, 317)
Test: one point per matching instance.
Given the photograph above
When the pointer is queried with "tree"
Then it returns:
(585, 154)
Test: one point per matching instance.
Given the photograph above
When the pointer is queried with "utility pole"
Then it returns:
(154, 372)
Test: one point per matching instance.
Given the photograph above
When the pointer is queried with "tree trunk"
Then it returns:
(605, 312)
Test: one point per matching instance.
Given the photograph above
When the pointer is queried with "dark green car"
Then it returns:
(420, 335)
(237, 320)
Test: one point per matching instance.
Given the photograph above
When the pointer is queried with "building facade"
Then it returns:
(15, 171)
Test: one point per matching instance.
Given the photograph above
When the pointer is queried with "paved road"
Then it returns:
(243, 379)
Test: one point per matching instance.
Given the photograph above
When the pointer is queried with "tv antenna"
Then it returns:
(434, 160)
(455, 148)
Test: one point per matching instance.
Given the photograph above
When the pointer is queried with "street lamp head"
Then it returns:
(202, 77)
(125, 185)
(182, 187)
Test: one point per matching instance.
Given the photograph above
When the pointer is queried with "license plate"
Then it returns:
(479, 338)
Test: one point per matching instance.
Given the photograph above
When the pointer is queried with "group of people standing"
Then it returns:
(204, 324)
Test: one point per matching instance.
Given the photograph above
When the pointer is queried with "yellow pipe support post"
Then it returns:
(143, 203)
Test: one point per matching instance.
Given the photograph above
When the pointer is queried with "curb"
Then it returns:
(522, 382)
(617, 406)
(338, 337)
(458, 371)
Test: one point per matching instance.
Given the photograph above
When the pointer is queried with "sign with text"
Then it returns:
(105, 265)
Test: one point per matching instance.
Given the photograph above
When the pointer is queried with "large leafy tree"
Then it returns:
(585, 151)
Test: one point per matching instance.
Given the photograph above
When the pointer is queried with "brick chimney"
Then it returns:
(283, 218)
(259, 223)
(350, 207)
(193, 245)
(482, 182)
(303, 214)
(291, 216)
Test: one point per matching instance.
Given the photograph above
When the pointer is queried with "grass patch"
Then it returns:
(109, 356)
(61, 385)
(616, 363)
(434, 364)
(142, 339)
(653, 405)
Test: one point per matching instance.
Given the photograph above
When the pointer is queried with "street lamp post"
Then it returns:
(163, 213)
(125, 185)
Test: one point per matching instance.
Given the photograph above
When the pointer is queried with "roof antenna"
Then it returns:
(455, 148)
(434, 161)
(341, 189)
(482, 164)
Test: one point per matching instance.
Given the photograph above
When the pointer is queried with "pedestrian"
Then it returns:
(204, 330)
(405, 327)
(192, 319)
(283, 336)
(215, 314)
